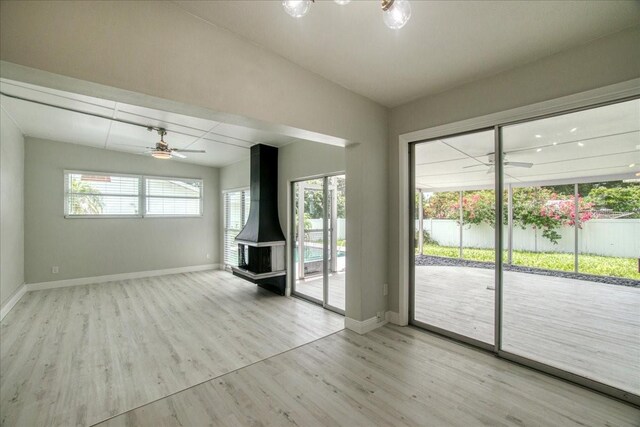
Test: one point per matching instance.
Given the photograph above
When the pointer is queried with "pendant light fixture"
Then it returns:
(297, 8)
(395, 13)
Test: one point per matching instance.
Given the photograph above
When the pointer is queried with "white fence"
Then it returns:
(316, 224)
(607, 237)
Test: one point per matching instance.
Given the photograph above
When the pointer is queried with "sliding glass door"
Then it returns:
(555, 282)
(319, 241)
(454, 218)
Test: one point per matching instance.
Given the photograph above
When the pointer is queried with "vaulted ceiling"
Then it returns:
(445, 43)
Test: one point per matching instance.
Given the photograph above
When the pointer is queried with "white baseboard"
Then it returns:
(364, 326)
(393, 317)
(11, 302)
(123, 276)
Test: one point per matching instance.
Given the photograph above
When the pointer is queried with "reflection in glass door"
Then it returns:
(319, 248)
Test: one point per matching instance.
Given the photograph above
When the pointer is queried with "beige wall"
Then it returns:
(101, 246)
(603, 62)
(11, 207)
(157, 49)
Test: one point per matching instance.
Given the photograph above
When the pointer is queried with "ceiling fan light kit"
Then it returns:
(162, 151)
(395, 13)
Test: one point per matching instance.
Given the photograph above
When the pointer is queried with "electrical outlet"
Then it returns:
(54, 269)
(385, 289)
(380, 316)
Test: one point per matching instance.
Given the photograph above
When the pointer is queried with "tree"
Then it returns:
(86, 199)
(618, 199)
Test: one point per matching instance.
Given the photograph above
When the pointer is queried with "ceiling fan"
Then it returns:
(491, 162)
(162, 150)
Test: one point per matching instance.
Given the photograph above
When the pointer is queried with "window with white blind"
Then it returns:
(236, 212)
(173, 197)
(99, 194)
(92, 194)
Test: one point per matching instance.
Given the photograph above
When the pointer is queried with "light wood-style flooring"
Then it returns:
(79, 355)
(392, 376)
(588, 328)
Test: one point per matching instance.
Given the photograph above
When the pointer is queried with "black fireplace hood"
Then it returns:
(263, 226)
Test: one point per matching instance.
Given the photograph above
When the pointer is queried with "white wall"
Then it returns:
(120, 45)
(600, 63)
(11, 207)
(101, 246)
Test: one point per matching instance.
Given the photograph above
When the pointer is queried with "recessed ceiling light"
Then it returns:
(539, 150)
(580, 144)
(555, 143)
(632, 165)
(538, 136)
(573, 130)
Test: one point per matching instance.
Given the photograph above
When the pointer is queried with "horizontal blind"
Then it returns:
(172, 196)
(95, 194)
(236, 212)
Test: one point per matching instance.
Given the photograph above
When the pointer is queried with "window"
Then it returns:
(94, 194)
(173, 197)
(236, 212)
(97, 194)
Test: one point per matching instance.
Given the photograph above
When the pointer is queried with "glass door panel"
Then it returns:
(337, 239)
(309, 240)
(571, 294)
(320, 249)
(454, 264)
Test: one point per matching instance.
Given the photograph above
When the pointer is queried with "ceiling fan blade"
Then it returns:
(475, 166)
(519, 164)
(173, 153)
(187, 151)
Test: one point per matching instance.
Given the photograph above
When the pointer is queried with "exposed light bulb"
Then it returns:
(555, 143)
(538, 136)
(580, 144)
(342, 2)
(539, 150)
(632, 165)
(397, 15)
(573, 130)
(296, 8)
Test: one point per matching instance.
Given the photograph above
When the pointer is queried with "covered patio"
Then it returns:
(588, 328)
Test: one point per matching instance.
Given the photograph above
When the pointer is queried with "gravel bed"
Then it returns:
(435, 260)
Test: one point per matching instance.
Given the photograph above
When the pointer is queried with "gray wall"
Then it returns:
(603, 62)
(11, 207)
(101, 246)
(214, 69)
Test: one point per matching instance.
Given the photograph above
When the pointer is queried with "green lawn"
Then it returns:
(590, 264)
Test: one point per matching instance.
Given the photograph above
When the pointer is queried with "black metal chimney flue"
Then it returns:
(263, 224)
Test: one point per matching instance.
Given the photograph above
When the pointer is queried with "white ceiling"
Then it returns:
(582, 146)
(444, 44)
(224, 143)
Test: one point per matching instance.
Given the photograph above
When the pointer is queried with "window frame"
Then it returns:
(169, 178)
(142, 196)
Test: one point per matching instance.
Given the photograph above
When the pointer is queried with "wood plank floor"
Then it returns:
(591, 329)
(79, 355)
(392, 376)
(313, 286)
